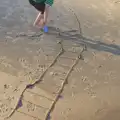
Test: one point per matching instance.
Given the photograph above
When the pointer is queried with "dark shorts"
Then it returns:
(39, 6)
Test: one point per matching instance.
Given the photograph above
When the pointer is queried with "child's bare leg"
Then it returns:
(46, 14)
(41, 22)
(38, 19)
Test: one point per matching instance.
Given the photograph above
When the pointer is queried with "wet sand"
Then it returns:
(74, 68)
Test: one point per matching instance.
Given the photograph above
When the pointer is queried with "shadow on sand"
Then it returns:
(90, 43)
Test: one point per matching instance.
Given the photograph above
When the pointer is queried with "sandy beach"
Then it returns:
(71, 73)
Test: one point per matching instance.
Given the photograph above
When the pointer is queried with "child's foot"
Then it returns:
(45, 29)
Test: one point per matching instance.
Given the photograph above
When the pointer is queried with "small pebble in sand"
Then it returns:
(53, 73)
(6, 86)
(84, 78)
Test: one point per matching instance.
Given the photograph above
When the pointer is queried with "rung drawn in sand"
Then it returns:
(32, 110)
(8, 109)
(40, 95)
